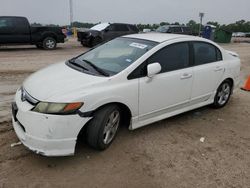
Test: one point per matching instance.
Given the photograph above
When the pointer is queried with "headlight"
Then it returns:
(57, 108)
(89, 35)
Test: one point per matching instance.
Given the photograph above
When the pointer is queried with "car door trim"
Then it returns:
(164, 111)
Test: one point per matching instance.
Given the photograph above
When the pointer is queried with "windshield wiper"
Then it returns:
(101, 71)
(72, 61)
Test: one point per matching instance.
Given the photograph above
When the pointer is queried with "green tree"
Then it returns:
(194, 26)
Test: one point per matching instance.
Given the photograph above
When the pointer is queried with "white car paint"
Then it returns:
(185, 89)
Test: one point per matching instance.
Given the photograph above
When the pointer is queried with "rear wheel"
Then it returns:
(223, 94)
(102, 129)
(49, 43)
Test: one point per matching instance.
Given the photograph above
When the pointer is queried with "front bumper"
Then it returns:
(48, 135)
(84, 41)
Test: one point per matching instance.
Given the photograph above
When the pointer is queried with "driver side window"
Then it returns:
(171, 58)
(6, 26)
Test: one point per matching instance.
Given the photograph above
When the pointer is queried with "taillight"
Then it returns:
(64, 31)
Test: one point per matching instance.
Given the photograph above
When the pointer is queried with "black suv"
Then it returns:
(104, 32)
(176, 29)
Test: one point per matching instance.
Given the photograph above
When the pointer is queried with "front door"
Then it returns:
(171, 89)
(22, 30)
(6, 30)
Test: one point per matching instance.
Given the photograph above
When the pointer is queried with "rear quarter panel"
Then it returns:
(233, 68)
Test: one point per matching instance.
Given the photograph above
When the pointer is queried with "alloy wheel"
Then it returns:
(224, 93)
(111, 127)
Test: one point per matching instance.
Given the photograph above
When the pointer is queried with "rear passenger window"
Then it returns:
(22, 25)
(134, 28)
(177, 29)
(173, 57)
(205, 53)
(186, 29)
(120, 27)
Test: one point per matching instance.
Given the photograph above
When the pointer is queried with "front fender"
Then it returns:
(89, 108)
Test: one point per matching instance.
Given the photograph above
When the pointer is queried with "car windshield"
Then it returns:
(115, 56)
(162, 29)
(100, 27)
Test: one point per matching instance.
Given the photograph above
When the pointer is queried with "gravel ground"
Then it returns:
(164, 154)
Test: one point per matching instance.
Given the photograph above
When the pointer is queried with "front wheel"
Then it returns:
(223, 94)
(103, 128)
(96, 41)
(49, 43)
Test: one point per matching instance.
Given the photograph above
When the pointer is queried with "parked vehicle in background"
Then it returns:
(146, 30)
(17, 30)
(239, 34)
(176, 29)
(104, 32)
(247, 35)
(133, 80)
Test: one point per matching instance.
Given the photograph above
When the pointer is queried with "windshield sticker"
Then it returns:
(129, 60)
(138, 45)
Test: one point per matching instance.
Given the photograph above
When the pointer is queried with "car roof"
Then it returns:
(123, 24)
(13, 17)
(160, 37)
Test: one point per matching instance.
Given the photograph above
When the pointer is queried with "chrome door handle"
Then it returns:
(218, 69)
(186, 76)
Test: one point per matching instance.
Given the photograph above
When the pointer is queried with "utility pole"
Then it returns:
(71, 12)
(201, 15)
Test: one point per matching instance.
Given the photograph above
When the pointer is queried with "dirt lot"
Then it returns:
(165, 154)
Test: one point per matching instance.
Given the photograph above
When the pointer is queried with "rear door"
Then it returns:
(208, 71)
(6, 30)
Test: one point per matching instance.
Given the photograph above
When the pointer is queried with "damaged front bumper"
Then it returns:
(48, 135)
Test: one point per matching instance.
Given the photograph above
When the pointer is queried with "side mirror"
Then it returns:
(106, 30)
(153, 69)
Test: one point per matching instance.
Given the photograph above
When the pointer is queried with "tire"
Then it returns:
(95, 41)
(102, 129)
(223, 94)
(49, 43)
(83, 44)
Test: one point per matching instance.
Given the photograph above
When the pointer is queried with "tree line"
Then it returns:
(238, 26)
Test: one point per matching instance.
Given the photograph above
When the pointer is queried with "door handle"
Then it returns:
(218, 69)
(186, 76)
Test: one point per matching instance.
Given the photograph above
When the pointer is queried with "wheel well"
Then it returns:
(230, 80)
(125, 119)
(95, 37)
(125, 111)
(52, 35)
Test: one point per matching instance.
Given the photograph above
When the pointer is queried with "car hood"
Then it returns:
(60, 82)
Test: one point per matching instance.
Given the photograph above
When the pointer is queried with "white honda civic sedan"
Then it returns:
(134, 80)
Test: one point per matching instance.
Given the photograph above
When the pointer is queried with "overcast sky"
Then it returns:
(130, 11)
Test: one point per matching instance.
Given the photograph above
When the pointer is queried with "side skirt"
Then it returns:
(137, 124)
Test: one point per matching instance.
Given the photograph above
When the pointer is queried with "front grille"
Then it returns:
(83, 35)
